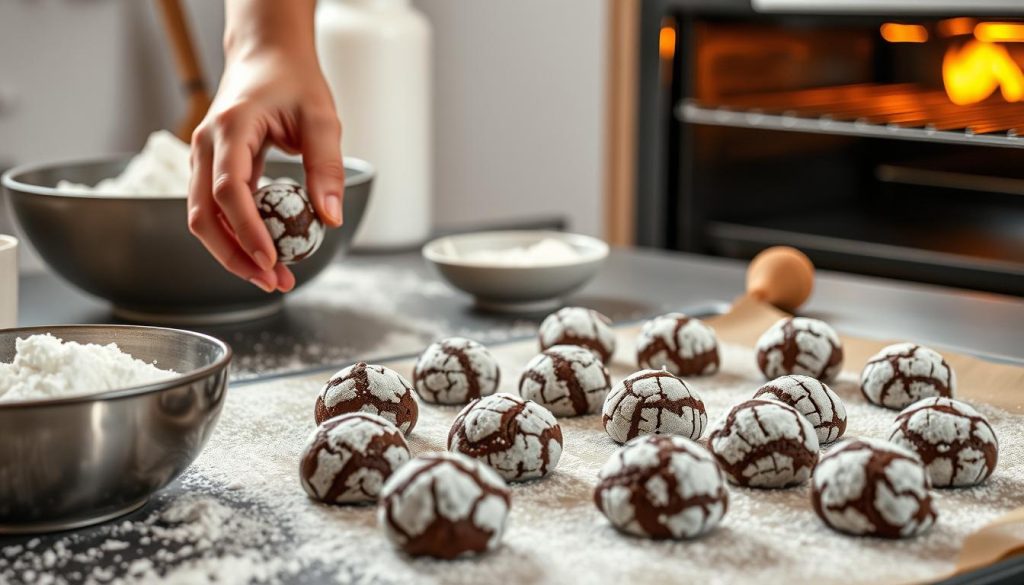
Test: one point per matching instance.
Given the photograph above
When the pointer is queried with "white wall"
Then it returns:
(519, 110)
(519, 95)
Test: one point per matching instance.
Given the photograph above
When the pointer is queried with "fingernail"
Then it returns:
(261, 284)
(262, 260)
(333, 204)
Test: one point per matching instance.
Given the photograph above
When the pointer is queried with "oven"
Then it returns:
(880, 137)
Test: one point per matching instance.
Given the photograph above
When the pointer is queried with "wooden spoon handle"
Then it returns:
(190, 72)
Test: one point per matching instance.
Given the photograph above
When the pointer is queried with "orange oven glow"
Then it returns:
(667, 42)
(956, 27)
(1000, 32)
(974, 71)
(904, 33)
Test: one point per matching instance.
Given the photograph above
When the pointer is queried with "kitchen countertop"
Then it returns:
(385, 305)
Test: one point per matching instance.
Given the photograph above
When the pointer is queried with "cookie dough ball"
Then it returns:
(798, 345)
(455, 371)
(662, 487)
(291, 220)
(568, 380)
(680, 344)
(579, 326)
(816, 401)
(869, 487)
(955, 442)
(653, 402)
(518, 438)
(765, 444)
(348, 458)
(365, 388)
(444, 505)
(904, 373)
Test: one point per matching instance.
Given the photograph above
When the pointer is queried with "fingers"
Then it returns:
(205, 223)
(237, 142)
(285, 278)
(325, 172)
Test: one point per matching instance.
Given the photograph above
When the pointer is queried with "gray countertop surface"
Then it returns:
(388, 305)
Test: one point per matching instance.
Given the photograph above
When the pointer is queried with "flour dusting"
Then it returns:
(46, 367)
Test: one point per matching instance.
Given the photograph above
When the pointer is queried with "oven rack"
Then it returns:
(895, 111)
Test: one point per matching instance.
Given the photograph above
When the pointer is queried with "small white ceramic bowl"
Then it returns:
(515, 288)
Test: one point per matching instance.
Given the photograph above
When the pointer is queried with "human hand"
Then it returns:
(268, 97)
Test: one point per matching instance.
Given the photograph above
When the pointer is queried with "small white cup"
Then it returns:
(8, 281)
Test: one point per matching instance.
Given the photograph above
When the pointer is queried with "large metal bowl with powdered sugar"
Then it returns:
(137, 252)
(79, 460)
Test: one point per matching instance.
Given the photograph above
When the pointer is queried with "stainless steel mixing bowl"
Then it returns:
(76, 461)
(137, 252)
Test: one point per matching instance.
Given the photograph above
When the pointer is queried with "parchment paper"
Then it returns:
(556, 534)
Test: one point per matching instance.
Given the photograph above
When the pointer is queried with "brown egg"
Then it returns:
(782, 276)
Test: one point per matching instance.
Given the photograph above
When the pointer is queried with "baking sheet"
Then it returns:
(556, 535)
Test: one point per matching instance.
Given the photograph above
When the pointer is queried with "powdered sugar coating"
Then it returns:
(800, 345)
(578, 326)
(367, 388)
(765, 444)
(874, 488)
(455, 371)
(904, 373)
(682, 345)
(566, 379)
(348, 458)
(662, 487)
(815, 400)
(954, 441)
(518, 438)
(653, 402)
(444, 505)
(291, 220)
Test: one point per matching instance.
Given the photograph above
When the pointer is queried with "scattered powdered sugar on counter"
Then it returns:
(46, 367)
(252, 521)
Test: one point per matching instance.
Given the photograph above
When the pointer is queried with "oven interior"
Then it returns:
(879, 146)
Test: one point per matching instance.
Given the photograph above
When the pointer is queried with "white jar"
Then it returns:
(376, 56)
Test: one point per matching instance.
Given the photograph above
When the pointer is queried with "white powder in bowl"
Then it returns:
(46, 367)
(161, 170)
(545, 252)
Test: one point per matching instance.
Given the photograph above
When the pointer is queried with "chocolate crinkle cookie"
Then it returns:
(814, 399)
(653, 402)
(869, 487)
(579, 326)
(367, 388)
(765, 444)
(568, 380)
(444, 505)
(291, 220)
(518, 438)
(799, 345)
(682, 345)
(455, 371)
(348, 458)
(662, 487)
(904, 373)
(954, 441)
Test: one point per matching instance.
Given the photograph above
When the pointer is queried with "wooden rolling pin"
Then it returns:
(781, 276)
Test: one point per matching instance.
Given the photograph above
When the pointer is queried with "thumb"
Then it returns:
(321, 158)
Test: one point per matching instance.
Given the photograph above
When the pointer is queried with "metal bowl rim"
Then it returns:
(155, 387)
(367, 173)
